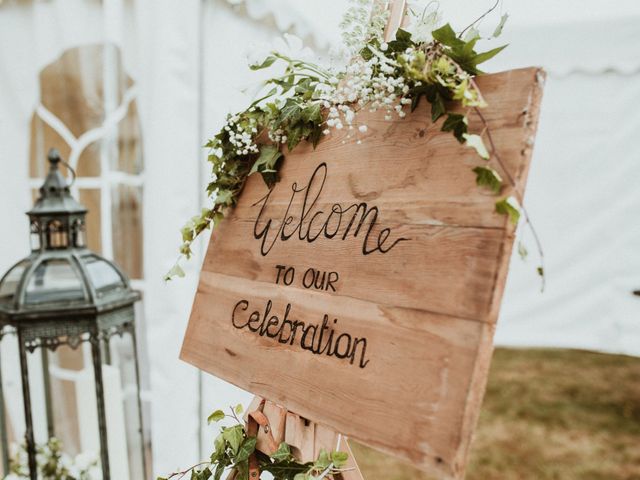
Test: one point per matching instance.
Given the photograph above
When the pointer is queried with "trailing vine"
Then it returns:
(306, 102)
(233, 449)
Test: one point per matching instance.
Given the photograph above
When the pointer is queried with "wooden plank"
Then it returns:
(415, 362)
(384, 332)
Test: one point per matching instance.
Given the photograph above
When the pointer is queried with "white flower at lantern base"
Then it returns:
(57, 464)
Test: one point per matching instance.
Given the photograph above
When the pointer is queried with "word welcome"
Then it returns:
(319, 339)
(310, 223)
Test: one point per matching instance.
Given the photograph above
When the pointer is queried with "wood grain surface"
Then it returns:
(362, 291)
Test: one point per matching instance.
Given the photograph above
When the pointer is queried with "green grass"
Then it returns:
(547, 415)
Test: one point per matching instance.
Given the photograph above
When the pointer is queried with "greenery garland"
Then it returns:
(306, 101)
(233, 447)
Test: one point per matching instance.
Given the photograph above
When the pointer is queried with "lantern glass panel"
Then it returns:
(54, 280)
(123, 414)
(102, 274)
(11, 281)
(35, 236)
(78, 235)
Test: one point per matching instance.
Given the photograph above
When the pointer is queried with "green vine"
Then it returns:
(233, 449)
(305, 102)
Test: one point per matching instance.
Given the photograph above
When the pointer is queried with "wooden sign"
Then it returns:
(362, 291)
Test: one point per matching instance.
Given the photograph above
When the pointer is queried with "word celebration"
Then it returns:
(319, 339)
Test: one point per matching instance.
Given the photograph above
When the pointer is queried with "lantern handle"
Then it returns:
(55, 158)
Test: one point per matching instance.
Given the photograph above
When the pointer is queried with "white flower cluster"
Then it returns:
(278, 136)
(84, 466)
(373, 84)
(242, 134)
(363, 20)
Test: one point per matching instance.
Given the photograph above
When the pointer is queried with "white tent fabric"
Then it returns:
(187, 59)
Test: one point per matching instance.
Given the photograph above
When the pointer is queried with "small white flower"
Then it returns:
(363, 128)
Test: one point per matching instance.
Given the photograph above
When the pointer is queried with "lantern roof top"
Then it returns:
(55, 193)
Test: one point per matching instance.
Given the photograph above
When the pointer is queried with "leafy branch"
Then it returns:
(305, 101)
(234, 448)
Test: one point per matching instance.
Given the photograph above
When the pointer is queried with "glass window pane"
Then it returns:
(129, 158)
(127, 235)
(101, 273)
(90, 198)
(11, 281)
(54, 280)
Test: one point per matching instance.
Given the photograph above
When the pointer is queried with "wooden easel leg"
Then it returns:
(352, 471)
(305, 438)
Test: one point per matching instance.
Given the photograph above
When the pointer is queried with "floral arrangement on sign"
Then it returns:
(54, 464)
(233, 449)
(305, 102)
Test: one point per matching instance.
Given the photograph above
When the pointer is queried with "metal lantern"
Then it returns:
(63, 294)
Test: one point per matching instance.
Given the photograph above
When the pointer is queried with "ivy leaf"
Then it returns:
(475, 142)
(447, 36)
(403, 35)
(203, 474)
(507, 206)
(437, 107)
(218, 444)
(339, 459)
(267, 163)
(219, 471)
(176, 271)
(483, 57)
(216, 416)
(315, 135)
(498, 31)
(238, 409)
(312, 113)
(243, 470)
(294, 138)
(323, 460)
(224, 197)
(457, 124)
(488, 177)
(283, 452)
(290, 113)
(234, 437)
(266, 63)
(461, 51)
(401, 42)
(246, 448)
(286, 470)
